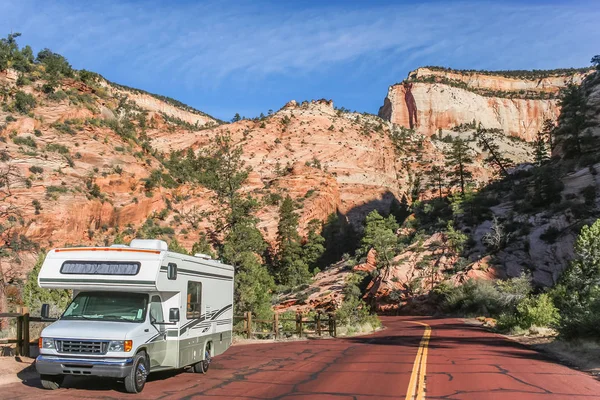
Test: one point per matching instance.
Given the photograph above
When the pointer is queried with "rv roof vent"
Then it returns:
(204, 256)
(149, 244)
(119, 245)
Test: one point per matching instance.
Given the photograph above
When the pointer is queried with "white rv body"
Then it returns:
(201, 289)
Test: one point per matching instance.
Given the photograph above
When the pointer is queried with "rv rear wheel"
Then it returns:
(135, 381)
(52, 382)
(202, 366)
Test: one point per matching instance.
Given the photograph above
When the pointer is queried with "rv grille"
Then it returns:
(82, 346)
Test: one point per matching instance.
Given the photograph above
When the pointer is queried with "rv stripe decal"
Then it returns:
(192, 324)
(197, 273)
(90, 281)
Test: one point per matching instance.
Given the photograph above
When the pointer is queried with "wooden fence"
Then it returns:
(321, 324)
(23, 339)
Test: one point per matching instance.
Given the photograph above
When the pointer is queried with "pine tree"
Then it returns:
(221, 169)
(291, 268)
(236, 118)
(486, 141)
(380, 234)
(572, 122)
(458, 158)
(436, 179)
(314, 247)
(578, 293)
(540, 147)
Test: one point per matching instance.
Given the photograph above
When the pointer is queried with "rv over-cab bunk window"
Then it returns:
(100, 268)
(194, 299)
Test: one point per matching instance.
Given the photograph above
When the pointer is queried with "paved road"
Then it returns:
(405, 361)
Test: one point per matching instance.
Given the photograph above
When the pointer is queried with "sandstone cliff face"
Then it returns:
(445, 99)
(154, 104)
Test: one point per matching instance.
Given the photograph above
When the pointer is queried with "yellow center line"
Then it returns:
(416, 385)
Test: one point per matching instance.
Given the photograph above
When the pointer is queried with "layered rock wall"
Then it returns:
(431, 100)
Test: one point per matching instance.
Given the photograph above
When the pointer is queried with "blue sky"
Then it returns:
(250, 56)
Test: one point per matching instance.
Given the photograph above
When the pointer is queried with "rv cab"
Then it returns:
(136, 309)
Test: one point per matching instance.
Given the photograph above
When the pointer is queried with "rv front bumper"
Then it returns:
(59, 365)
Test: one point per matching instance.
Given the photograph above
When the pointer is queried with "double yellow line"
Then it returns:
(416, 385)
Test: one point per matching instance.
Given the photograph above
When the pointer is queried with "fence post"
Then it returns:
(299, 323)
(334, 326)
(318, 318)
(19, 348)
(249, 324)
(276, 325)
(25, 348)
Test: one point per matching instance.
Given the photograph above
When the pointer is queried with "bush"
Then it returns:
(550, 234)
(34, 169)
(24, 102)
(34, 296)
(355, 312)
(25, 140)
(58, 148)
(578, 293)
(481, 297)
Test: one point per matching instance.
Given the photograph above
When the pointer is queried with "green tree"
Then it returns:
(572, 120)
(24, 102)
(291, 270)
(221, 169)
(176, 247)
(380, 234)
(540, 149)
(203, 246)
(34, 296)
(436, 179)
(314, 247)
(456, 239)
(578, 293)
(458, 159)
(236, 118)
(596, 61)
(487, 142)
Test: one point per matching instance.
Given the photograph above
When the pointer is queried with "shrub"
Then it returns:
(355, 312)
(550, 234)
(34, 296)
(578, 293)
(58, 148)
(36, 170)
(24, 102)
(25, 140)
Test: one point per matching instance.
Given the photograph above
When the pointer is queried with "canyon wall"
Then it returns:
(433, 99)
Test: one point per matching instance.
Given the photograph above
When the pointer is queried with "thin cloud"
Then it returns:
(206, 45)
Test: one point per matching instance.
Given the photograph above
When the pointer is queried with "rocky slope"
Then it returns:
(432, 98)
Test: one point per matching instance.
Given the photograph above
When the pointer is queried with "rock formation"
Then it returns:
(443, 99)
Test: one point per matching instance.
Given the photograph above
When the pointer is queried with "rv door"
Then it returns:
(157, 348)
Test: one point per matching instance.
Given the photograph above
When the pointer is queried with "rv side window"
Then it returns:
(194, 299)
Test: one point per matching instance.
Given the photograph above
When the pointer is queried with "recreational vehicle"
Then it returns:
(136, 309)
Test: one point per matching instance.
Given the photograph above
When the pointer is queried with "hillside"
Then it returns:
(84, 161)
(517, 102)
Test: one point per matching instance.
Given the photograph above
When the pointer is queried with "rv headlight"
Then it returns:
(47, 343)
(120, 345)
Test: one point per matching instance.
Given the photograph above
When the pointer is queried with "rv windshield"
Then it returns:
(108, 306)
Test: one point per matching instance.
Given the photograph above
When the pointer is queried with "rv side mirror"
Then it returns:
(45, 313)
(172, 271)
(174, 315)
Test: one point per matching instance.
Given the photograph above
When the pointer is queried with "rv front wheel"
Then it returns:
(135, 381)
(52, 382)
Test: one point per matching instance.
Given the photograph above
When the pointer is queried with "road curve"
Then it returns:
(451, 361)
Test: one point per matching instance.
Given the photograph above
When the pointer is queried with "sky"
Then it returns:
(247, 57)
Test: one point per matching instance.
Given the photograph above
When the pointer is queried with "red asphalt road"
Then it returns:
(464, 362)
